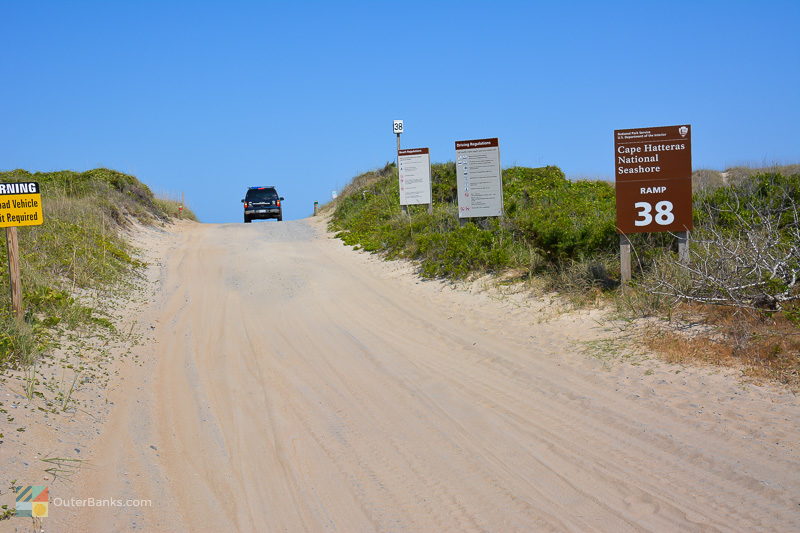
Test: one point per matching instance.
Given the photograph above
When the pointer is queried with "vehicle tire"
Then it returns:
(246, 220)
(280, 218)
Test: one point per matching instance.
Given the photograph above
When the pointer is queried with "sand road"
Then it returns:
(296, 385)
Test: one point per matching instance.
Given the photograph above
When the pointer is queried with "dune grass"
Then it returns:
(80, 250)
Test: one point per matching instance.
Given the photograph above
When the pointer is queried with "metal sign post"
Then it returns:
(20, 205)
(397, 128)
(653, 171)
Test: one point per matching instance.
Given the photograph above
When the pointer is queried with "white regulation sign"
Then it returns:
(479, 179)
(415, 176)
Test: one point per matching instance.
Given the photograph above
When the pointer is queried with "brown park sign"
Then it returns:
(653, 170)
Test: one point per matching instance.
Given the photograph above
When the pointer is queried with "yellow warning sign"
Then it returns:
(20, 204)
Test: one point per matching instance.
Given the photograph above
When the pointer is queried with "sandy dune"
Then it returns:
(295, 385)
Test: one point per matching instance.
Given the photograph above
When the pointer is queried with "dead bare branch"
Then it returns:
(750, 262)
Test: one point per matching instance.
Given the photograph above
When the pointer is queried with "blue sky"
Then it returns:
(210, 97)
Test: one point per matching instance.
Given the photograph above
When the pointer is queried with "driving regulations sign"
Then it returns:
(20, 204)
(415, 176)
(653, 170)
(478, 178)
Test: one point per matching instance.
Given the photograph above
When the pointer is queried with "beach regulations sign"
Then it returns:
(478, 178)
(415, 176)
(653, 170)
(20, 204)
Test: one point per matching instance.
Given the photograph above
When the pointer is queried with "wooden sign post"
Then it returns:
(653, 169)
(20, 205)
(12, 244)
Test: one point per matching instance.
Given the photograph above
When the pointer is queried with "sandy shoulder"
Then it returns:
(49, 441)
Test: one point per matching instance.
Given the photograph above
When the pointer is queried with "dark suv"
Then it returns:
(262, 202)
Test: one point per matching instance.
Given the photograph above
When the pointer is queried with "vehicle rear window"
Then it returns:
(261, 195)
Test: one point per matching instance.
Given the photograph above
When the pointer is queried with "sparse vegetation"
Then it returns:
(707, 179)
(7, 512)
(62, 467)
(762, 346)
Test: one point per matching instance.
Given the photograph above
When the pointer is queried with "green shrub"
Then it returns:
(726, 208)
(563, 219)
(547, 216)
(463, 250)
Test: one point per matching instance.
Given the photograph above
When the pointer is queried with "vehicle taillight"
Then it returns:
(246, 205)
(279, 203)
